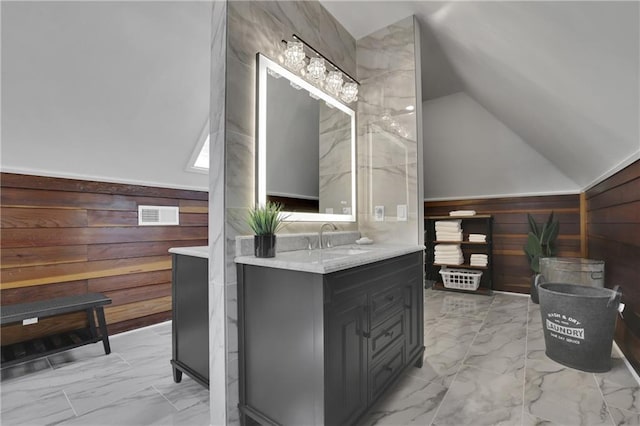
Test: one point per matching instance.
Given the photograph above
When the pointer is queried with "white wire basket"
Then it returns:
(461, 279)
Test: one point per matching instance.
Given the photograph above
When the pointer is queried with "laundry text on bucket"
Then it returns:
(567, 331)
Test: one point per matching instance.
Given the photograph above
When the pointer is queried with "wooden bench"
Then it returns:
(29, 313)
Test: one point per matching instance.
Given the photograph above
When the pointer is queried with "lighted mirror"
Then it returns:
(305, 148)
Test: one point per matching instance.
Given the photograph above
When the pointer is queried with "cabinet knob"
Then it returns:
(390, 298)
(389, 334)
(388, 368)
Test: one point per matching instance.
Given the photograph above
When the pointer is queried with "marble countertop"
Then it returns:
(196, 251)
(330, 260)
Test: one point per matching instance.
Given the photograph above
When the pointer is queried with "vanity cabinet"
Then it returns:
(323, 348)
(190, 318)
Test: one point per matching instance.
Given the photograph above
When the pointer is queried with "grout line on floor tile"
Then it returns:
(613, 421)
(75, 413)
(161, 394)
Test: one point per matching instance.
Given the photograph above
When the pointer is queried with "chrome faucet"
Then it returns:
(333, 227)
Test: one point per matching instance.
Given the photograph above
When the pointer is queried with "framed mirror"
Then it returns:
(305, 148)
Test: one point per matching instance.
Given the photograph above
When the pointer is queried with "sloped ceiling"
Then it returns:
(563, 76)
(112, 91)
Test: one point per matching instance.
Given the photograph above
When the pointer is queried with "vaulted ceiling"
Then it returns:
(563, 76)
(111, 89)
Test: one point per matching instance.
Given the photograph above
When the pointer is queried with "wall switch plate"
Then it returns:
(30, 321)
(378, 213)
(328, 210)
(402, 212)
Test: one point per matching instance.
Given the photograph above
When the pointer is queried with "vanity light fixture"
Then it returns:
(333, 83)
(316, 72)
(349, 92)
(294, 56)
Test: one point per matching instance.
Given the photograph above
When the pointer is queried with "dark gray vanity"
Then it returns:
(190, 315)
(323, 335)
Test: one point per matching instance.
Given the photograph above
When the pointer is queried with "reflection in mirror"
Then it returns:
(305, 149)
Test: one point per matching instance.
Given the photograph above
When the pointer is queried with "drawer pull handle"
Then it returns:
(389, 334)
(390, 298)
(388, 368)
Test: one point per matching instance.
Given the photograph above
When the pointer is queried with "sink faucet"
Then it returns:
(333, 227)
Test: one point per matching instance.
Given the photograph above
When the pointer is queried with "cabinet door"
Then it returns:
(414, 309)
(346, 362)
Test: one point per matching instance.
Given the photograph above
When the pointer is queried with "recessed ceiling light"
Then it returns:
(410, 108)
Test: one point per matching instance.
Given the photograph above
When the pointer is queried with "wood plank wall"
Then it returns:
(63, 237)
(613, 235)
(510, 227)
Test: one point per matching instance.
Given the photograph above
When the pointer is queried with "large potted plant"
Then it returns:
(265, 221)
(541, 242)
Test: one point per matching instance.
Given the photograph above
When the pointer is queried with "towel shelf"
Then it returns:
(480, 223)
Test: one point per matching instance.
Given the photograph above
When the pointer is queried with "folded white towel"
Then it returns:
(446, 223)
(479, 256)
(478, 260)
(449, 237)
(448, 253)
(447, 247)
(448, 231)
(449, 228)
(477, 238)
(458, 261)
(440, 255)
(462, 213)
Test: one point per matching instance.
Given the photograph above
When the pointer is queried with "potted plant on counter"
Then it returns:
(265, 221)
(541, 242)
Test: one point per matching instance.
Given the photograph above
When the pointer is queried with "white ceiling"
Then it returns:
(564, 76)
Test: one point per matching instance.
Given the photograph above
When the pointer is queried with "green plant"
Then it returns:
(267, 219)
(541, 241)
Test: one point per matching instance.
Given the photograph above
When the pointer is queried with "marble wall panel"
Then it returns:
(315, 25)
(388, 50)
(217, 315)
(388, 161)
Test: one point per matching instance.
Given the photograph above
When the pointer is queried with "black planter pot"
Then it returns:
(264, 245)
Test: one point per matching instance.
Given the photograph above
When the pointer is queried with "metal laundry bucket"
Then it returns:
(573, 270)
(578, 323)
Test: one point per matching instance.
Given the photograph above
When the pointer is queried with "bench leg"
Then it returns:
(92, 323)
(103, 329)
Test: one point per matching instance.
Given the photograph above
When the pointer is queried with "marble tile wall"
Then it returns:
(252, 27)
(389, 137)
(217, 190)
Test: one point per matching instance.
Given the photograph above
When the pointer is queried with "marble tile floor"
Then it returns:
(484, 365)
(83, 386)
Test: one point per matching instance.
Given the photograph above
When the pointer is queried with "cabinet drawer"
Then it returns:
(386, 334)
(384, 302)
(386, 370)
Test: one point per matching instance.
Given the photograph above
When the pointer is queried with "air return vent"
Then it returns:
(158, 215)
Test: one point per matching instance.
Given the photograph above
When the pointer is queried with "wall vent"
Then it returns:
(158, 215)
